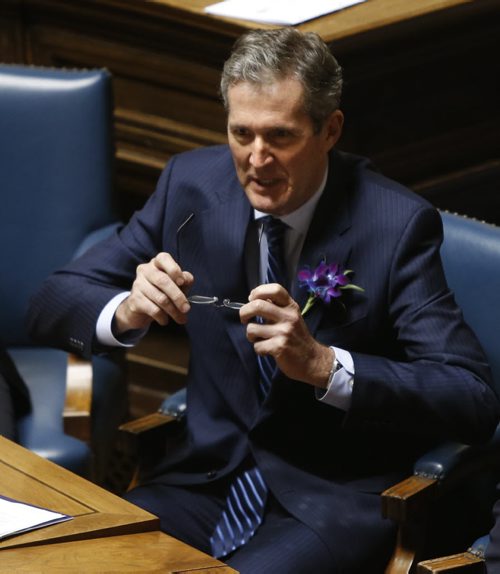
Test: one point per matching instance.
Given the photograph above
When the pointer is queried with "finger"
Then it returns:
(281, 333)
(268, 311)
(188, 281)
(271, 291)
(165, 262)
(157, 286)
(259, 331)
(265, 347)
(265, 309)
(139, 304)
(182, 281)
(274, 346)
(162, 302)
(155, 274)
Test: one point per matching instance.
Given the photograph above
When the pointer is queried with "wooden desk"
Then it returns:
(107, 533)
(147, 552)
(29, 478)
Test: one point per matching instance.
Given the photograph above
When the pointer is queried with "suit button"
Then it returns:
(211, 474)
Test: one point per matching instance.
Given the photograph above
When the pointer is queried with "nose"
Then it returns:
(260, 154)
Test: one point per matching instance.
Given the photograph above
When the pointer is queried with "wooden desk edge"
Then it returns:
(108, 514)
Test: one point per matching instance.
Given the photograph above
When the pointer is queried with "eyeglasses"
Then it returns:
(214, 301)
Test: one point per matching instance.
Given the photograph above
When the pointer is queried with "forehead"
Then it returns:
(279, 100)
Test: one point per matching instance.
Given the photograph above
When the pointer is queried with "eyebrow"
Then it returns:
(269, 129)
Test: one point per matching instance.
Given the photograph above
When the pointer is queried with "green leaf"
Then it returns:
(353, 287)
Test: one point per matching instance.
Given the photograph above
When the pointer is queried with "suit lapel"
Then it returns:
(329, 236)
(224, 229)
(214, 241)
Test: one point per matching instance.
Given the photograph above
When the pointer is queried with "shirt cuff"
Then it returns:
(104, 327)
(339, 391)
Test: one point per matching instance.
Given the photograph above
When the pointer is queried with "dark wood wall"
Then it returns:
(422, 96)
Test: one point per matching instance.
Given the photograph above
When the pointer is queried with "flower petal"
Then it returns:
(325, 282)
(304, 275)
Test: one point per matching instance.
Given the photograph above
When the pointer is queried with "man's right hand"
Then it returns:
(158, 294)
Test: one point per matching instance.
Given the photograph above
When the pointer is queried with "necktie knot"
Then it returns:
(274, 229)
(273, 223)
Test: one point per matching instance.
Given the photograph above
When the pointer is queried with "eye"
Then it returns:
(240, 133)
(281, 136)
(280, 133)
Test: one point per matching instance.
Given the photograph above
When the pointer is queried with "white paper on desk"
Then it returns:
(17, 517)
(282, 12)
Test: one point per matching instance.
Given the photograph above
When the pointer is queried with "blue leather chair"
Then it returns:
(56, 180)
(453, 487)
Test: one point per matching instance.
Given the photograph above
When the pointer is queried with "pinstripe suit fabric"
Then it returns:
(414, 357)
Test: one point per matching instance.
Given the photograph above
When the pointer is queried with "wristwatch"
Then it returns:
(337, 365)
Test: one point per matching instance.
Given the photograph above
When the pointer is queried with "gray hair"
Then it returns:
(265, 56)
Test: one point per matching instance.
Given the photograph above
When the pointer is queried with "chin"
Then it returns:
(267, 203)
(265, 206)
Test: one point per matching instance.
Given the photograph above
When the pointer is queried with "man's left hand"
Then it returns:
(284, 335)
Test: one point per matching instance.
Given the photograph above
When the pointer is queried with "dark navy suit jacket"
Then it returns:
(420, 373)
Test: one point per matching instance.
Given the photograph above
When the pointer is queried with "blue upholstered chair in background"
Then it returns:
(463, 477)
(56, 198)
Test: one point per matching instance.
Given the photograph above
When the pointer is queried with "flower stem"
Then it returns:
(310, 302)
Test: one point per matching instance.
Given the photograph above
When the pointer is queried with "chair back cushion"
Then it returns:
(471, 259)
(55, 165)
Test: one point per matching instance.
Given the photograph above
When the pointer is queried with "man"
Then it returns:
(359, 385)
(14, 396)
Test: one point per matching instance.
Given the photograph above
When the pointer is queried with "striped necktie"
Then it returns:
(244, 507)
(275, 234)
(276, 273)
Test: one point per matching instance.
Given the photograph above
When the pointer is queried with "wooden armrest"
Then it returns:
(146, 423)
(78, 404)
(405, 503)
(408, 498)
(133, 433)
(464, 563)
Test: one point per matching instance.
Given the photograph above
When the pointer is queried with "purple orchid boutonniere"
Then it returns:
(326, 282)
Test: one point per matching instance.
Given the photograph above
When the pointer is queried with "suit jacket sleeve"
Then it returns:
(435, 379)
(64, 311)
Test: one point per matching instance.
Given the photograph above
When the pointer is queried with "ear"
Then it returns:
(333, 127)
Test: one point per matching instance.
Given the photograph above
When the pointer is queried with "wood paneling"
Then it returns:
(157, 367)
(422, 78)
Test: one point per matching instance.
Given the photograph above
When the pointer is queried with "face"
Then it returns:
(279, 159)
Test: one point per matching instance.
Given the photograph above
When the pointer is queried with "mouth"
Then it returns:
(263, 183)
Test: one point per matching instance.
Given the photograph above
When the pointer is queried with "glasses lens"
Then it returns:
(232, 304)
(202, 300)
